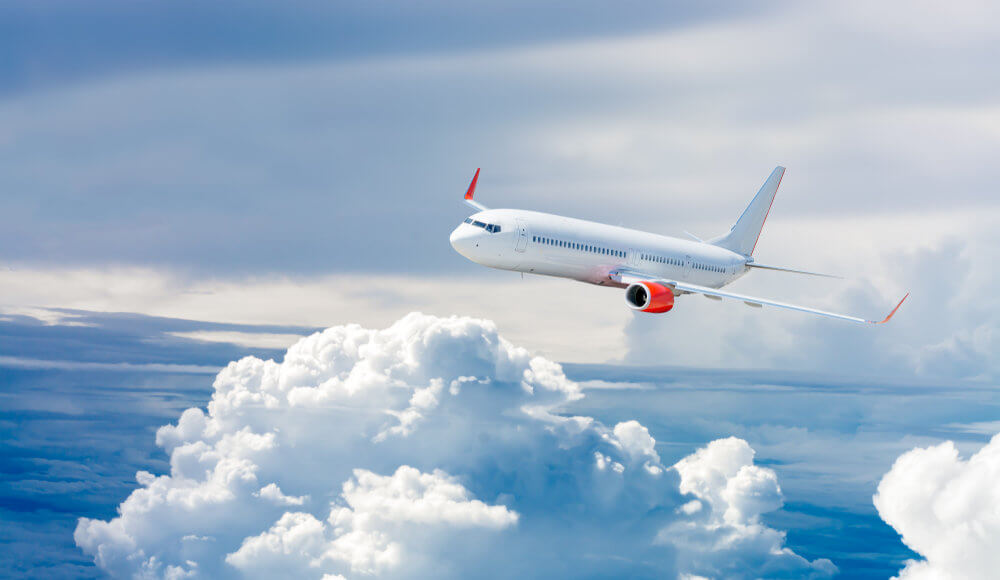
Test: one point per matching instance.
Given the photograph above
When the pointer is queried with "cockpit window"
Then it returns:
(491, 228)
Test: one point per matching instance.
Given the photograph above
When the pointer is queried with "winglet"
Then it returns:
(891, 313)
(472, 186)
(472, 191)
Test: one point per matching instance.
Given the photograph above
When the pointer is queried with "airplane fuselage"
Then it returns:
(552, 245)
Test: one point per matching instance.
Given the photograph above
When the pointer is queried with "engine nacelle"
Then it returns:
(649, 297)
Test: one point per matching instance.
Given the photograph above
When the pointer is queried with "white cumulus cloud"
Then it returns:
(368, 534)
(723, 535)
(947, 509)
(432, 448)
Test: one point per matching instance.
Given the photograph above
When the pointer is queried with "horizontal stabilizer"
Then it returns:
(778, 269)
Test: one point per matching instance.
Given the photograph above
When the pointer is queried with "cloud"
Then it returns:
(183, 173)
(273, 493)
(251, 339)
(70, 365)
(723, 535)
(431, 448)
(948, 329)
(382, 519)
(873, 134)
(947, 509)
(310, 301)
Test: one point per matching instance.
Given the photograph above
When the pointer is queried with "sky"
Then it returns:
(188, 184)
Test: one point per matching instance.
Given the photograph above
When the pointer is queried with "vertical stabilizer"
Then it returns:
(743, 236)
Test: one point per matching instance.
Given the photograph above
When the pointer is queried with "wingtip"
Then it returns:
(472, 186)
(893, 310)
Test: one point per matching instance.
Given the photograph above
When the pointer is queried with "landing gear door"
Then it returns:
(522, 236)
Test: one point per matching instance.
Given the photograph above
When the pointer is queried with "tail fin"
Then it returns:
(743, 236)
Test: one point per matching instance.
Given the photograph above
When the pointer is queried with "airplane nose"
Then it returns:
(463, 240)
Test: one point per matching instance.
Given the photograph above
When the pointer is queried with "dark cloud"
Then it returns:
(54, 42)
(356, 163)
(125, 338)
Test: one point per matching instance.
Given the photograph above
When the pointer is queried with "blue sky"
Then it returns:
(186, 184)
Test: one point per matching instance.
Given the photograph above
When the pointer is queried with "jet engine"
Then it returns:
(649, 297)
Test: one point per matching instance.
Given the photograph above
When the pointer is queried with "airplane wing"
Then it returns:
(793, 271)
(632, 277)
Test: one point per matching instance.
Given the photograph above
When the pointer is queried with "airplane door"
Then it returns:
(687, 267)
(522, 236)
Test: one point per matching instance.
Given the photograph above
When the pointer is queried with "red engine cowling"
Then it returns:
(649, 297)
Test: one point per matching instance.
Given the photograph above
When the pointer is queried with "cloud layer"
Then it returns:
(431, 448)
(947, 509)
(678, 123)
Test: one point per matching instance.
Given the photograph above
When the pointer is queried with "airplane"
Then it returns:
(653, 269)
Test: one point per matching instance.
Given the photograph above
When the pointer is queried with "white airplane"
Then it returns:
(652, 268)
